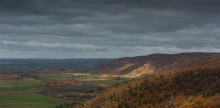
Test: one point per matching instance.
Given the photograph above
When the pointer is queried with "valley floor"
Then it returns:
(60, 90)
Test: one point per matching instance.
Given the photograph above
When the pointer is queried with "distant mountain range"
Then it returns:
(58, 65)
(73, 61)
(141, 65)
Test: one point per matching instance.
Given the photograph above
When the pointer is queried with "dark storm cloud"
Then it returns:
(107, 28)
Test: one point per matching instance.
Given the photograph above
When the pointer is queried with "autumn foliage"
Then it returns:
(141, 65)
(61, 83)
(191, 87)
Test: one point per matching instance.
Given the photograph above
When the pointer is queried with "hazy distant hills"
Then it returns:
(36, 65)
(137, 66)
(73, 61)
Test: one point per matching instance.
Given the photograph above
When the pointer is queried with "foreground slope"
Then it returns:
(194, 87)
(141, 65)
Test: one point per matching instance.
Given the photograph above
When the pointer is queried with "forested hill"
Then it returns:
(196, 86)
(137, 66)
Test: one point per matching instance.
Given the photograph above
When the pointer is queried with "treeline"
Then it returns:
(61, 83)
(17, 76)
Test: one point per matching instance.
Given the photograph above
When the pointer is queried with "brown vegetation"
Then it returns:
(193, 87)
(61, 83)
(138, 66)
(6, 76)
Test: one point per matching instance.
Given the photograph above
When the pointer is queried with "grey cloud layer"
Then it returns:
(107, 28)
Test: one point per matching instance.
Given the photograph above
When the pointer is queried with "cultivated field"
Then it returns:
(65, 89)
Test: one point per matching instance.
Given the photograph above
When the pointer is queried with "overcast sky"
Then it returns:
(107, 28)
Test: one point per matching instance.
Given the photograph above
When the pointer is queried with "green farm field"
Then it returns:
(20, 100)
(18, 86)
(28, 93)
(92, 79)
(23, 94)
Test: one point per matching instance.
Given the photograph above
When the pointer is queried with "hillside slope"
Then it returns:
(193, 87)
(137, 66)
